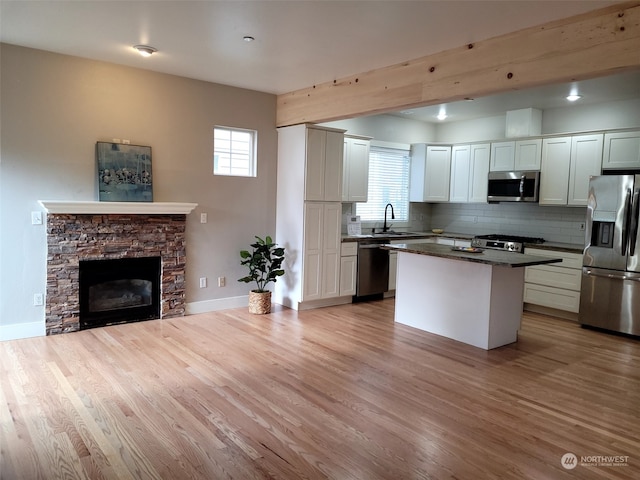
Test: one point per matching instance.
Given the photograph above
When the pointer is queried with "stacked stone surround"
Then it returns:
(72, 238)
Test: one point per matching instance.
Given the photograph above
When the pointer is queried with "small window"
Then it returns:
(234, 152)
(388, 183)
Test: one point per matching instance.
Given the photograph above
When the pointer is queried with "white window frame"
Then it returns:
(371, 223)
(236, 156)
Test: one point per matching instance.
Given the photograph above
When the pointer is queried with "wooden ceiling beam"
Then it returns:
(594, 44)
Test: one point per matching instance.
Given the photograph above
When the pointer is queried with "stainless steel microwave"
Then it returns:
(513, 186)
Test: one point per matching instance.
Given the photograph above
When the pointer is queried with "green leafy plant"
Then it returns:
(264, 263)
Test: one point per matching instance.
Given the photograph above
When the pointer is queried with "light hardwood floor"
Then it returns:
(339, 392)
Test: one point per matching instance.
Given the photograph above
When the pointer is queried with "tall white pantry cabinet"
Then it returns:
(308, 213)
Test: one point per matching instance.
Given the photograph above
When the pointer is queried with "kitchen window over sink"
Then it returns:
(388, 183)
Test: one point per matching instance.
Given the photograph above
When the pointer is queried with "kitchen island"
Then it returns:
(474, 298)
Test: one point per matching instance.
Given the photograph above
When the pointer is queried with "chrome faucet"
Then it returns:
(385, 228)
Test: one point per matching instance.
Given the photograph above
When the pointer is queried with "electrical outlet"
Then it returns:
(126, 142)
(203, 282)
(38, 299)
(222, 281)
(582, 227)
(203, 218)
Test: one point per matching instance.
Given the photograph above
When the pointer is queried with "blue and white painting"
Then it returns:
(124, 172)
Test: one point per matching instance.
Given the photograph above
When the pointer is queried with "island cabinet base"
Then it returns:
(473, 303)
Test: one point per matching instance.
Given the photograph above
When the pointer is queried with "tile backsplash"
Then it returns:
(554, 224)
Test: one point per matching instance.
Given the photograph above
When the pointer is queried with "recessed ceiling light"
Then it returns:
(248, 38)
(573, 97)
(145, 50)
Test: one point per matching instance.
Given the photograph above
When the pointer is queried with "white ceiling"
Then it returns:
(297, 43)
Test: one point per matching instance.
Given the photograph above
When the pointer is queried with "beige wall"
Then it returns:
(53, 110)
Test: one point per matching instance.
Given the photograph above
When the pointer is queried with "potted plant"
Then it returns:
(265, 266)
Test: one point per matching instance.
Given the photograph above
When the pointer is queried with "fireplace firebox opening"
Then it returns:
(117, 291)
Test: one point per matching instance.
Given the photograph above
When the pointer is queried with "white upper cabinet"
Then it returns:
(621, 151)
(586, 156)
(520, 155)
(323, 178)
(567, 164)
(430, 173)
(554, 175)
(503, 156)
(355, 173)
(460, 171)
(469, 173)
(479, 172)
(528, 154)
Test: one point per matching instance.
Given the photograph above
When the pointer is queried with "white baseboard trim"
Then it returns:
(205, 306)
(17, 331)
(325, 302)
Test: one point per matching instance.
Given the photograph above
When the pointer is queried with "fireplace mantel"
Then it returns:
(142, 208)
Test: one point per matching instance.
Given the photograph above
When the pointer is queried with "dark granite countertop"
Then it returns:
(496, 258)
(405, 235)
(557, 246)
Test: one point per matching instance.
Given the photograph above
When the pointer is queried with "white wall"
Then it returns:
(601, 116)
(388, 128)
(55, 107)
(489, 128)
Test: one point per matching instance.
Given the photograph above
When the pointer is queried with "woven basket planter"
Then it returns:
(259, 302)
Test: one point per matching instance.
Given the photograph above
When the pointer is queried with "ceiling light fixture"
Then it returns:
(248, 38)
(573, 97)
(145, 50)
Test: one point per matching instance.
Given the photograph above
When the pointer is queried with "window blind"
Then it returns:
(388, 183)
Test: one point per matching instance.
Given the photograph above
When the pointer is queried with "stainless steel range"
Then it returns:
(510, 243)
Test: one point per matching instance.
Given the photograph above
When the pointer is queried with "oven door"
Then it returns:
(513, 186)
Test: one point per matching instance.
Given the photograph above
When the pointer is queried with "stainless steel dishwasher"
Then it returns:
(373, 268)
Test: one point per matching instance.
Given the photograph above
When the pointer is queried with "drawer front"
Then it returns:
(567, 278)
(348, 249)
(569, 260)
(566, 300)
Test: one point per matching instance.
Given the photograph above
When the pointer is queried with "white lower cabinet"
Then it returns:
(321, 263)
(556, 285)
(393, 270)
(348, 268)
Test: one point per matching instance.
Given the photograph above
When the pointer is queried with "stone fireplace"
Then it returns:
(94, 231)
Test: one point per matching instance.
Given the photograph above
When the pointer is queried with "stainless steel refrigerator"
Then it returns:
(610, 294)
